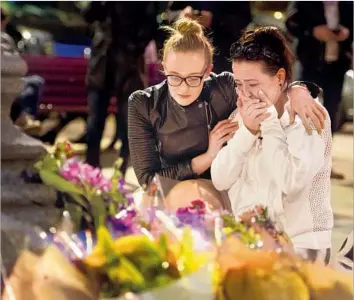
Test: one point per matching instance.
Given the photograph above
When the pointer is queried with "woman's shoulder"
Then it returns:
(225, 79)
(149, 96)
(225, 83)
(222, 93)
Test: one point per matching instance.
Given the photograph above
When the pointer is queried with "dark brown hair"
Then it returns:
(265, 44)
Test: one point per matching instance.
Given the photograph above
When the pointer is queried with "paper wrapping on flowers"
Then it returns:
(114, 266)
(268, 275)
(195, 286)
(49, 276)
(41, 270)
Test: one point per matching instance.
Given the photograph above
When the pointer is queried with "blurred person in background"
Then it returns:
(325, 36)
(223, 21)
(10, 28)
(25, 106)
(122, 30)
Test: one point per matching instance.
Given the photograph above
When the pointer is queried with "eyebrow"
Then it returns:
(190, 74)
(246, 80)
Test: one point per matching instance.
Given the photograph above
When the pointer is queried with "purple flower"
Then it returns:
(130, 199)
(124, 221)
(193, 215)
(121, 185)
(189, 216)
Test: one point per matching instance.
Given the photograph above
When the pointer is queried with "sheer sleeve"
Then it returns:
(143, 147)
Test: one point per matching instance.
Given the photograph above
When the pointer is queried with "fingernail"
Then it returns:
(261, 92)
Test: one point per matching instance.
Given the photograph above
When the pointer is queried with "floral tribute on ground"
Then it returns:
(105, 248)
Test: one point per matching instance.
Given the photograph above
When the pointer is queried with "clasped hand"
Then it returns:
(253, 111)
(311, 113)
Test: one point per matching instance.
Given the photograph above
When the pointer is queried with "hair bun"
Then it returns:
(185, 26)
(269, 36)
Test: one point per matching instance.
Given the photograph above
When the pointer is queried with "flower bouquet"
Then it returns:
(257, 261)
(266, 275)
(254, 228)
(118, 252)
(89, 197)
(138, 264)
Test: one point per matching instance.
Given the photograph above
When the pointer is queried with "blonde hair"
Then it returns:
(187, 35)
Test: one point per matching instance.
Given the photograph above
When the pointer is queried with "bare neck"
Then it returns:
(279, 105)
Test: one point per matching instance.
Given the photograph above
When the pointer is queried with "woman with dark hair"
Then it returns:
(269, 160)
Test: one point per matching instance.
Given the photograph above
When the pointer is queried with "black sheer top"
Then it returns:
(164, 137)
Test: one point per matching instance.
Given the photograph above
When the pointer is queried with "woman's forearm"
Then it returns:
(201, 163)
(311, 87)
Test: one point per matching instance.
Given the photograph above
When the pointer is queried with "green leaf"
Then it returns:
(118, 163)
(118, 197)
(161, 280)
(58, 182)
(78, 199)
(49, 163)
(98, 210)
(75, 213)
(112, 210)
(38, 165)
(126, 272)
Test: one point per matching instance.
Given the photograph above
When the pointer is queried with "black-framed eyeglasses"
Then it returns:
(191, 81)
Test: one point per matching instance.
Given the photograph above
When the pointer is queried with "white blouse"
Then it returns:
(286, 170)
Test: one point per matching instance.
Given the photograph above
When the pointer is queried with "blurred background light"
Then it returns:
(278, 15)
(26, 35)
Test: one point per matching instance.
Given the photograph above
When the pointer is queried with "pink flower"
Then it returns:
(83, 174)
(71, 171)
(198, 204)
